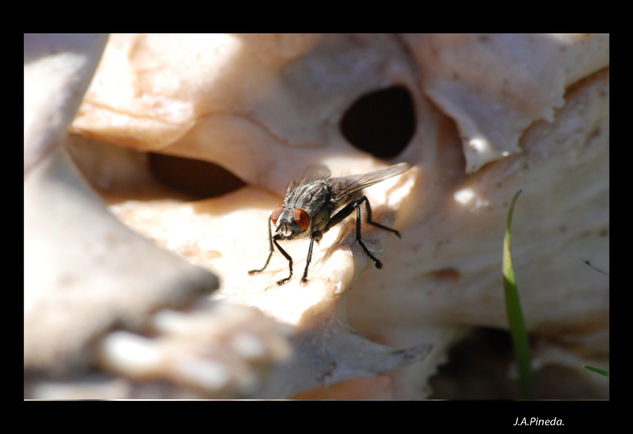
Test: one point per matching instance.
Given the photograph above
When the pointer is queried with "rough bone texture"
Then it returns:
(495, 87)
(492, 114)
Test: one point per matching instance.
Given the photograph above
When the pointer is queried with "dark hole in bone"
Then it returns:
(195, 177)
(477, 368)
(381, 122)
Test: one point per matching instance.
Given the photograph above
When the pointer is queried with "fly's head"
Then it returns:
(290, 222)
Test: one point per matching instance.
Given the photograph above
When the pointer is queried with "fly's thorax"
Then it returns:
(305, 195)
(306, 209)
(316, 199)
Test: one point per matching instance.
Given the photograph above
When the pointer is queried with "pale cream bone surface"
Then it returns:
(495, 86)
(266, 106)
(91, 282)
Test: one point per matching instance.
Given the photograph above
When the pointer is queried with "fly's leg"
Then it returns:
(273, 240)
(358, 237)
(270, 245)
(370, 221)
(316, 235)
(287, 256)
(347, 210)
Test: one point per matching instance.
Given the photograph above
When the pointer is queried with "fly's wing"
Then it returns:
(347, 185)
(313, 172)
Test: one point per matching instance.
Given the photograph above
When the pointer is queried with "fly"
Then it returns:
(316, 202)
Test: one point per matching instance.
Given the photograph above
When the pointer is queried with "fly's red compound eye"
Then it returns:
(301, 218)
(276, 213)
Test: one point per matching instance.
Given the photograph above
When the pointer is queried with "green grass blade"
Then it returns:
(515, 315)
(598, 370)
